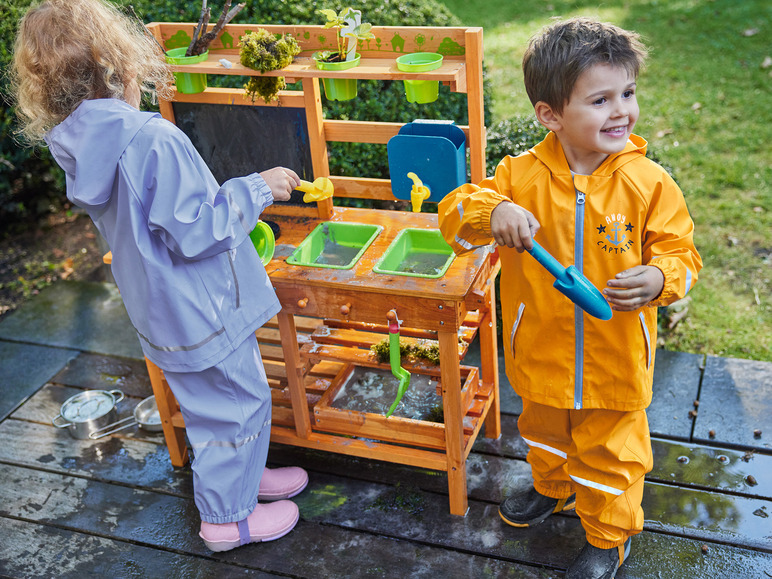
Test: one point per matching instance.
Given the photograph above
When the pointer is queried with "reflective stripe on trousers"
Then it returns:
(601, 455)
(227, 412)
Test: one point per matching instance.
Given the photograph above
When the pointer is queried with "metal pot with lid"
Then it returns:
(88, 411)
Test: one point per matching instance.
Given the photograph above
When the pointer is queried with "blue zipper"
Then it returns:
(578, 313)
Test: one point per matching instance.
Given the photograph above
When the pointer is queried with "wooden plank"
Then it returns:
(76, 315)
(343, 335)
(412, 514)
(467, 332)
(126, 460)
(97, 372)
(25, 369)
(735, 402)
(359, 357)
(24, 446)
(676, 386)
(392, 39)
(745, 473)
(365, 131)
(31, 549)
(454, 417)
(237, 96)
(362, 448)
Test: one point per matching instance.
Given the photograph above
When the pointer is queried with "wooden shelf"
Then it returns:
(451, 72)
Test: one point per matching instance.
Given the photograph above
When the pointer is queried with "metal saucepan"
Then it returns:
(146, 416)
(88, 411)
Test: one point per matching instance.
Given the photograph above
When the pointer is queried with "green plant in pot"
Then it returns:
(349, 29)
(198, 49)
(264, 51)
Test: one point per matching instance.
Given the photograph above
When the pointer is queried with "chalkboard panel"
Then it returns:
(237, 140)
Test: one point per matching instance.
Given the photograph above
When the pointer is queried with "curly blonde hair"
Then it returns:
(68, 51)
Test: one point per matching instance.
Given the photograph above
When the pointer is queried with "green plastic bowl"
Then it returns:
(420, 91)
(264, 241)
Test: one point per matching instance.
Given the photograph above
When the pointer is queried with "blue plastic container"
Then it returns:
(434, 150)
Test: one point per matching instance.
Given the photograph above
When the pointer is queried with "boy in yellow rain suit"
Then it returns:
(600, 204)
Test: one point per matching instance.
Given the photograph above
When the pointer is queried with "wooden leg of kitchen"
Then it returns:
(489, 362)
(454, 422)
(297, 388)
(174, 434)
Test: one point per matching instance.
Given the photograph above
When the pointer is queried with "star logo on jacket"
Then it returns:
(614, 236)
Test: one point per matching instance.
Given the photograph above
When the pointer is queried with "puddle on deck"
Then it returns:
(374, 390)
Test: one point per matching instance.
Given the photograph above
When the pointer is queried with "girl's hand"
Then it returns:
(282, 182)
(513, 226)
(634, 287)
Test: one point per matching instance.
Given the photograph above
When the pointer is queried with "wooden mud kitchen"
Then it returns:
(332, 315)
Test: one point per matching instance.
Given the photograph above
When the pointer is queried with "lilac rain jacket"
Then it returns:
(191, 279)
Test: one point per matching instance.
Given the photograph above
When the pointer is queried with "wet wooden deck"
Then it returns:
(116, 507)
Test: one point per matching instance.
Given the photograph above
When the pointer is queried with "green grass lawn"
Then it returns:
(706, 111)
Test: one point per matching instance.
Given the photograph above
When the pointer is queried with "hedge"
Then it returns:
(31, 184)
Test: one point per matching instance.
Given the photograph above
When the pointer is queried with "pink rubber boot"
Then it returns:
(266, 523)
(282, 483)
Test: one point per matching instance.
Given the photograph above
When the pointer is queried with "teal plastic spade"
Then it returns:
(573, 284)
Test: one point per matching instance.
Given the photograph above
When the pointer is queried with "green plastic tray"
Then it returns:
(334, 244)
(416, 253)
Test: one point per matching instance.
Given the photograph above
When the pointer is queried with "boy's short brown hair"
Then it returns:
(561, 52)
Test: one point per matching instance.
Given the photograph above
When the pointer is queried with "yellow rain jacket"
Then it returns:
(628, 212)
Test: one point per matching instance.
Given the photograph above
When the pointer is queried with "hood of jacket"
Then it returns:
(88, 144)
(550, 152)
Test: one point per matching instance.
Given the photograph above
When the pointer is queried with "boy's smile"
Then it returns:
(598, 118)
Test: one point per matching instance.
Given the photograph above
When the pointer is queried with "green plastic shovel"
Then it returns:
(394, 357)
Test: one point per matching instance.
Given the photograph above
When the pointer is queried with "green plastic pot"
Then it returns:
(264, 241)
(420, 91)
(338, 89)
(188, 83)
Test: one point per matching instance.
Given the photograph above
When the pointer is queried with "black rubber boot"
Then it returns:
(529, 508)
(594, 563)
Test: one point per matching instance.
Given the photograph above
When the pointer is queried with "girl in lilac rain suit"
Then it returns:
(192, 282)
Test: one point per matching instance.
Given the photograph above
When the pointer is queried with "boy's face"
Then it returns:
(598, 118)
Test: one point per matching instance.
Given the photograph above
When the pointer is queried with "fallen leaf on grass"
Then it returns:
(67, 269)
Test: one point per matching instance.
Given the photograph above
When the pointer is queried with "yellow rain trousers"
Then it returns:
(585, 383)
(601, 455)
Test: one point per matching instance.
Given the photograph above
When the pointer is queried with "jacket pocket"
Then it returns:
(646, 339)
(515, 326)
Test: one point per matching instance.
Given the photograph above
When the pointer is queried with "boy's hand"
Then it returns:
(282, 182)
(634, 287)
(513, 226)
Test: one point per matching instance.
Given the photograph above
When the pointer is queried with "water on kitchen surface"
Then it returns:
(336, 254)
(423, 263)
(374, 390)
